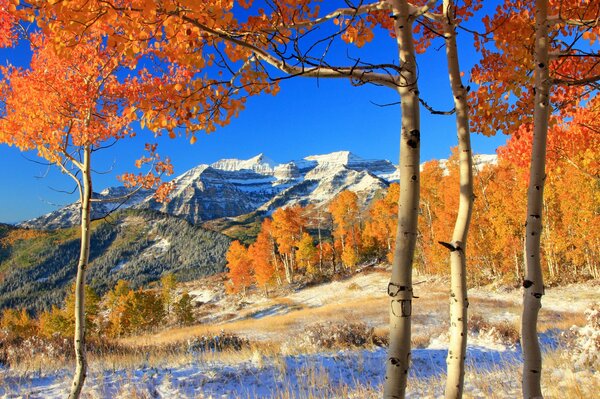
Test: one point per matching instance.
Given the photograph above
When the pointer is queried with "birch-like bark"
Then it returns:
(400, 287)
(533, 283)
(84, 254)
(457, 348)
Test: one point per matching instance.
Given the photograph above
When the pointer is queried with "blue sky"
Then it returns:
(307, 117)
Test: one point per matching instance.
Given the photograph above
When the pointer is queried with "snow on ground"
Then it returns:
(360, 286)
(320, 374)
(255, 378)
(118, 267)
(570, 298)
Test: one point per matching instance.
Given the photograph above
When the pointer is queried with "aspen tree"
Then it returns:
(66, 109)
(564, 65)
(534, 282)
(459, 301)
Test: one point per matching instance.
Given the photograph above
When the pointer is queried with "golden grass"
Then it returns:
(289, 323)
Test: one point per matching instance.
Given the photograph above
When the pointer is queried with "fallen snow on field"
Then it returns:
(301, 375)
(360, 286)
(569, 298)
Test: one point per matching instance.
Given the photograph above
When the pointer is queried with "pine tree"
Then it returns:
(184, 310)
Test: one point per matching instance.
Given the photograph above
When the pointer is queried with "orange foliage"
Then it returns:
(288, 225)
(240, 268)
(380, 228)
(7, 23)
(262, 255)
(347, 226)
(431, 201)
(504, 99)
(20, 235)
(61, 104)
(182, 36)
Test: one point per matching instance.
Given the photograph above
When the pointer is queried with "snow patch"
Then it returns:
(118, 267)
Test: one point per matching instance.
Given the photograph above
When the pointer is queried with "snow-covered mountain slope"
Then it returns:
(233, 187)
(113, 198)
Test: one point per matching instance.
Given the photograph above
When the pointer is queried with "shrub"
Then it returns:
(17, 350)
(584, 342)
(503, 331)
(217, 343)
(338, 335)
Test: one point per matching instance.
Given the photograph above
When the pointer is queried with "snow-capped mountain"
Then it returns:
(112, 198)
(233, 187)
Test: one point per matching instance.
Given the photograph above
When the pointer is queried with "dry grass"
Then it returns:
(560, 320)
(270, 339)
(282, 326)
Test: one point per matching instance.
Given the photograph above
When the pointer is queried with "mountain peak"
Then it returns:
(338, 157)
(258, 163)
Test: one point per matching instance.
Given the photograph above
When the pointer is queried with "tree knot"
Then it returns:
(527, 283)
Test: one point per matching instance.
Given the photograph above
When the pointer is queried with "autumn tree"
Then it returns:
(184, 310)
(287, 228)
(327, 253)
(380, 226)
(17, 323)
(61, 321)
(522, 76)
(67, 108)
(136, 311)
(264, 258)
(239, 267)
(497, 250)
(431, 201)
(307, 255)
(572, 153)
(347, 226)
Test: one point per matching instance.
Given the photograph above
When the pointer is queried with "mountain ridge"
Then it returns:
(233, 187)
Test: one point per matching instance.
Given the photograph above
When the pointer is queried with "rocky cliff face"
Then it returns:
(233, 187)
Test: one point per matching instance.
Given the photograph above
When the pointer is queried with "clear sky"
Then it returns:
(307, 117)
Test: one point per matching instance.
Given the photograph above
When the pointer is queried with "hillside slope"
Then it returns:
(37, 266)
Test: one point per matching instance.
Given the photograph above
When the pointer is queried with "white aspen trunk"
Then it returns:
(546, 243)
(84, 254)
(533, 283)
(400, 287)
(517, 269)
(289, 276)
(277, 273)
(320, 243)
(457, 348)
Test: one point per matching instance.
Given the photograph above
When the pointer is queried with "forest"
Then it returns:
(37, 266)
(318, 243)
(103, 72)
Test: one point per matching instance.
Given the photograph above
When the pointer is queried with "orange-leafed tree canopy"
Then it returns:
(240, 267)
(505, 97)
(61, 104)
(262, 253)
(203, 83)
(7, 23)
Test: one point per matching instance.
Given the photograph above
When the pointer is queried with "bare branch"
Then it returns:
(433, 111)
(364, 75)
